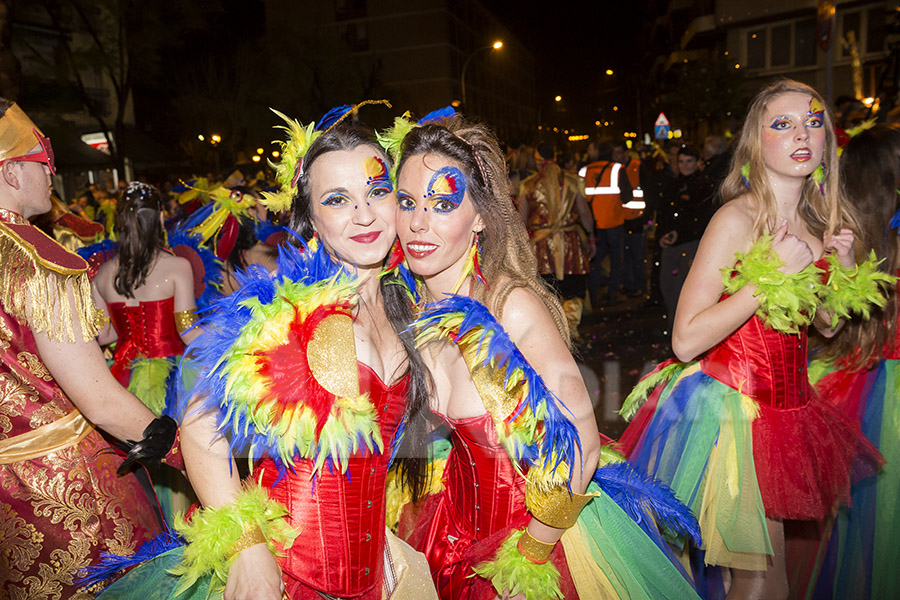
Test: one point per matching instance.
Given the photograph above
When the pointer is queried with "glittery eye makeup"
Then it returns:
(377, 177)
(782, 123)
(816, 115)
(446, 189)
(335, 199)
(405, 201)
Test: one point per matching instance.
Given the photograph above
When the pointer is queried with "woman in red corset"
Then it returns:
(148, 295)
(524, 512)
(737, 431)
(304, 369)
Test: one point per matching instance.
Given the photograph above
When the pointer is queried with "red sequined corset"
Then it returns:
(341, 517)
(762, 363)
(483, 492)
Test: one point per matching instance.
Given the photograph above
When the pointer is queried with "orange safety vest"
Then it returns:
(601, 188)
(635, 208)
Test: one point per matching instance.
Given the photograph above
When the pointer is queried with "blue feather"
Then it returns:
(895, 220)
(102, 246)
(559, 433)
(648, 502)
(264, 230)
(437, 115)
(221, 326)
(111, 564)
(332, 116)
(211, 264)
(198, 216)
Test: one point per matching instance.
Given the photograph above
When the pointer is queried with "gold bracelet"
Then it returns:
(251, 536)
(556, 507)
(533, 549)
(184, 319)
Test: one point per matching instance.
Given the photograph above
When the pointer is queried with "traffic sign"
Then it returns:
(662, 132)
(661, 120)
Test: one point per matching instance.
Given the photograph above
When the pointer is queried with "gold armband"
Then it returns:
(533, 549)
(184, 319)
(556, 507)
(251, 536)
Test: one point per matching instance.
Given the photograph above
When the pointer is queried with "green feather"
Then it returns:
(787, 301)
(818, 369)
(213, 532)
(645, 386)
(391, 140)
(854, 290)
(512, 572)
(148, 381)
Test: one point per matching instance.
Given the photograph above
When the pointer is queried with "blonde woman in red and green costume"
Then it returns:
(519, 515)
(736, 429)
(309, 371)
(62, 503)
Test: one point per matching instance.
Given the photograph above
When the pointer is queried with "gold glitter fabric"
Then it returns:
(44, 284)
(184, 320)
(61, 508)
(534, 549)
(556, 507)
(252, 536)
(16, 133)
(329, 360)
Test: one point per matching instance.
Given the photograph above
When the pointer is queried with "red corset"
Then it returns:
(484, 494)
(145, 331)
(340, 548)
(762, 363)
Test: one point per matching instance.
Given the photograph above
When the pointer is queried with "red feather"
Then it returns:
(282, 365)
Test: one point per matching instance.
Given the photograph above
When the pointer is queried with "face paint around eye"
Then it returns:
(335, 200)
(377, 174)
(781, 123)
(447, 189)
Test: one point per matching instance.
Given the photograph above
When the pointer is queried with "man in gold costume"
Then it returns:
(561, 229)
(61, 500)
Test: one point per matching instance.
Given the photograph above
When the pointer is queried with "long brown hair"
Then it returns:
(822, 212)
(140, 233)
(870, 176)
(508, 260)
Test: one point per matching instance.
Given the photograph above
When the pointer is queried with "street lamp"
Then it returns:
(462, 79)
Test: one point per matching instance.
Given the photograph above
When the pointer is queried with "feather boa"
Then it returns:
(659, 376)
(787, 301)
(854, 290)
(213, 532)
(537, 430)
(254, 370)
(514, 573)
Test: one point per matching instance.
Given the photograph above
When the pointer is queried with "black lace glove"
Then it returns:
(158, 439)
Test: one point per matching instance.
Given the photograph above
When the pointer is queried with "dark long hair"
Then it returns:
(870, 177)
(140, 234)
(412, 456)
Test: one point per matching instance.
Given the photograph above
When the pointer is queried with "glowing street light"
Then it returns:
(558, 98)
(200, 137)
(256, 158)
(609, 71)
(259, 150)
(462, 78)
(275, 153)
(215, 138)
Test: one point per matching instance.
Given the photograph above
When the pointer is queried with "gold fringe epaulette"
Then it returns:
(44, 292)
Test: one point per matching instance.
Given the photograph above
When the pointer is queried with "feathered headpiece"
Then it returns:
(294, 149)
(391, 139)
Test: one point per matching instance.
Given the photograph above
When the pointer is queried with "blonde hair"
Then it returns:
(822, 212)
(507, 259)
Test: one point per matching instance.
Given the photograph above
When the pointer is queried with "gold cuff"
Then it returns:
(184, 319)
(556, 507)
(251, 536)
(533, 549)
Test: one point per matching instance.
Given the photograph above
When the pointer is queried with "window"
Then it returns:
(805, 43)
(849, 22)
(756, 49)
(781, 45)
(875, 29)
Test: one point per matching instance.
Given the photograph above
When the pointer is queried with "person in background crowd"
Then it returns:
(561, 229)
(607, 188)
(634, 280)
(686, 209)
